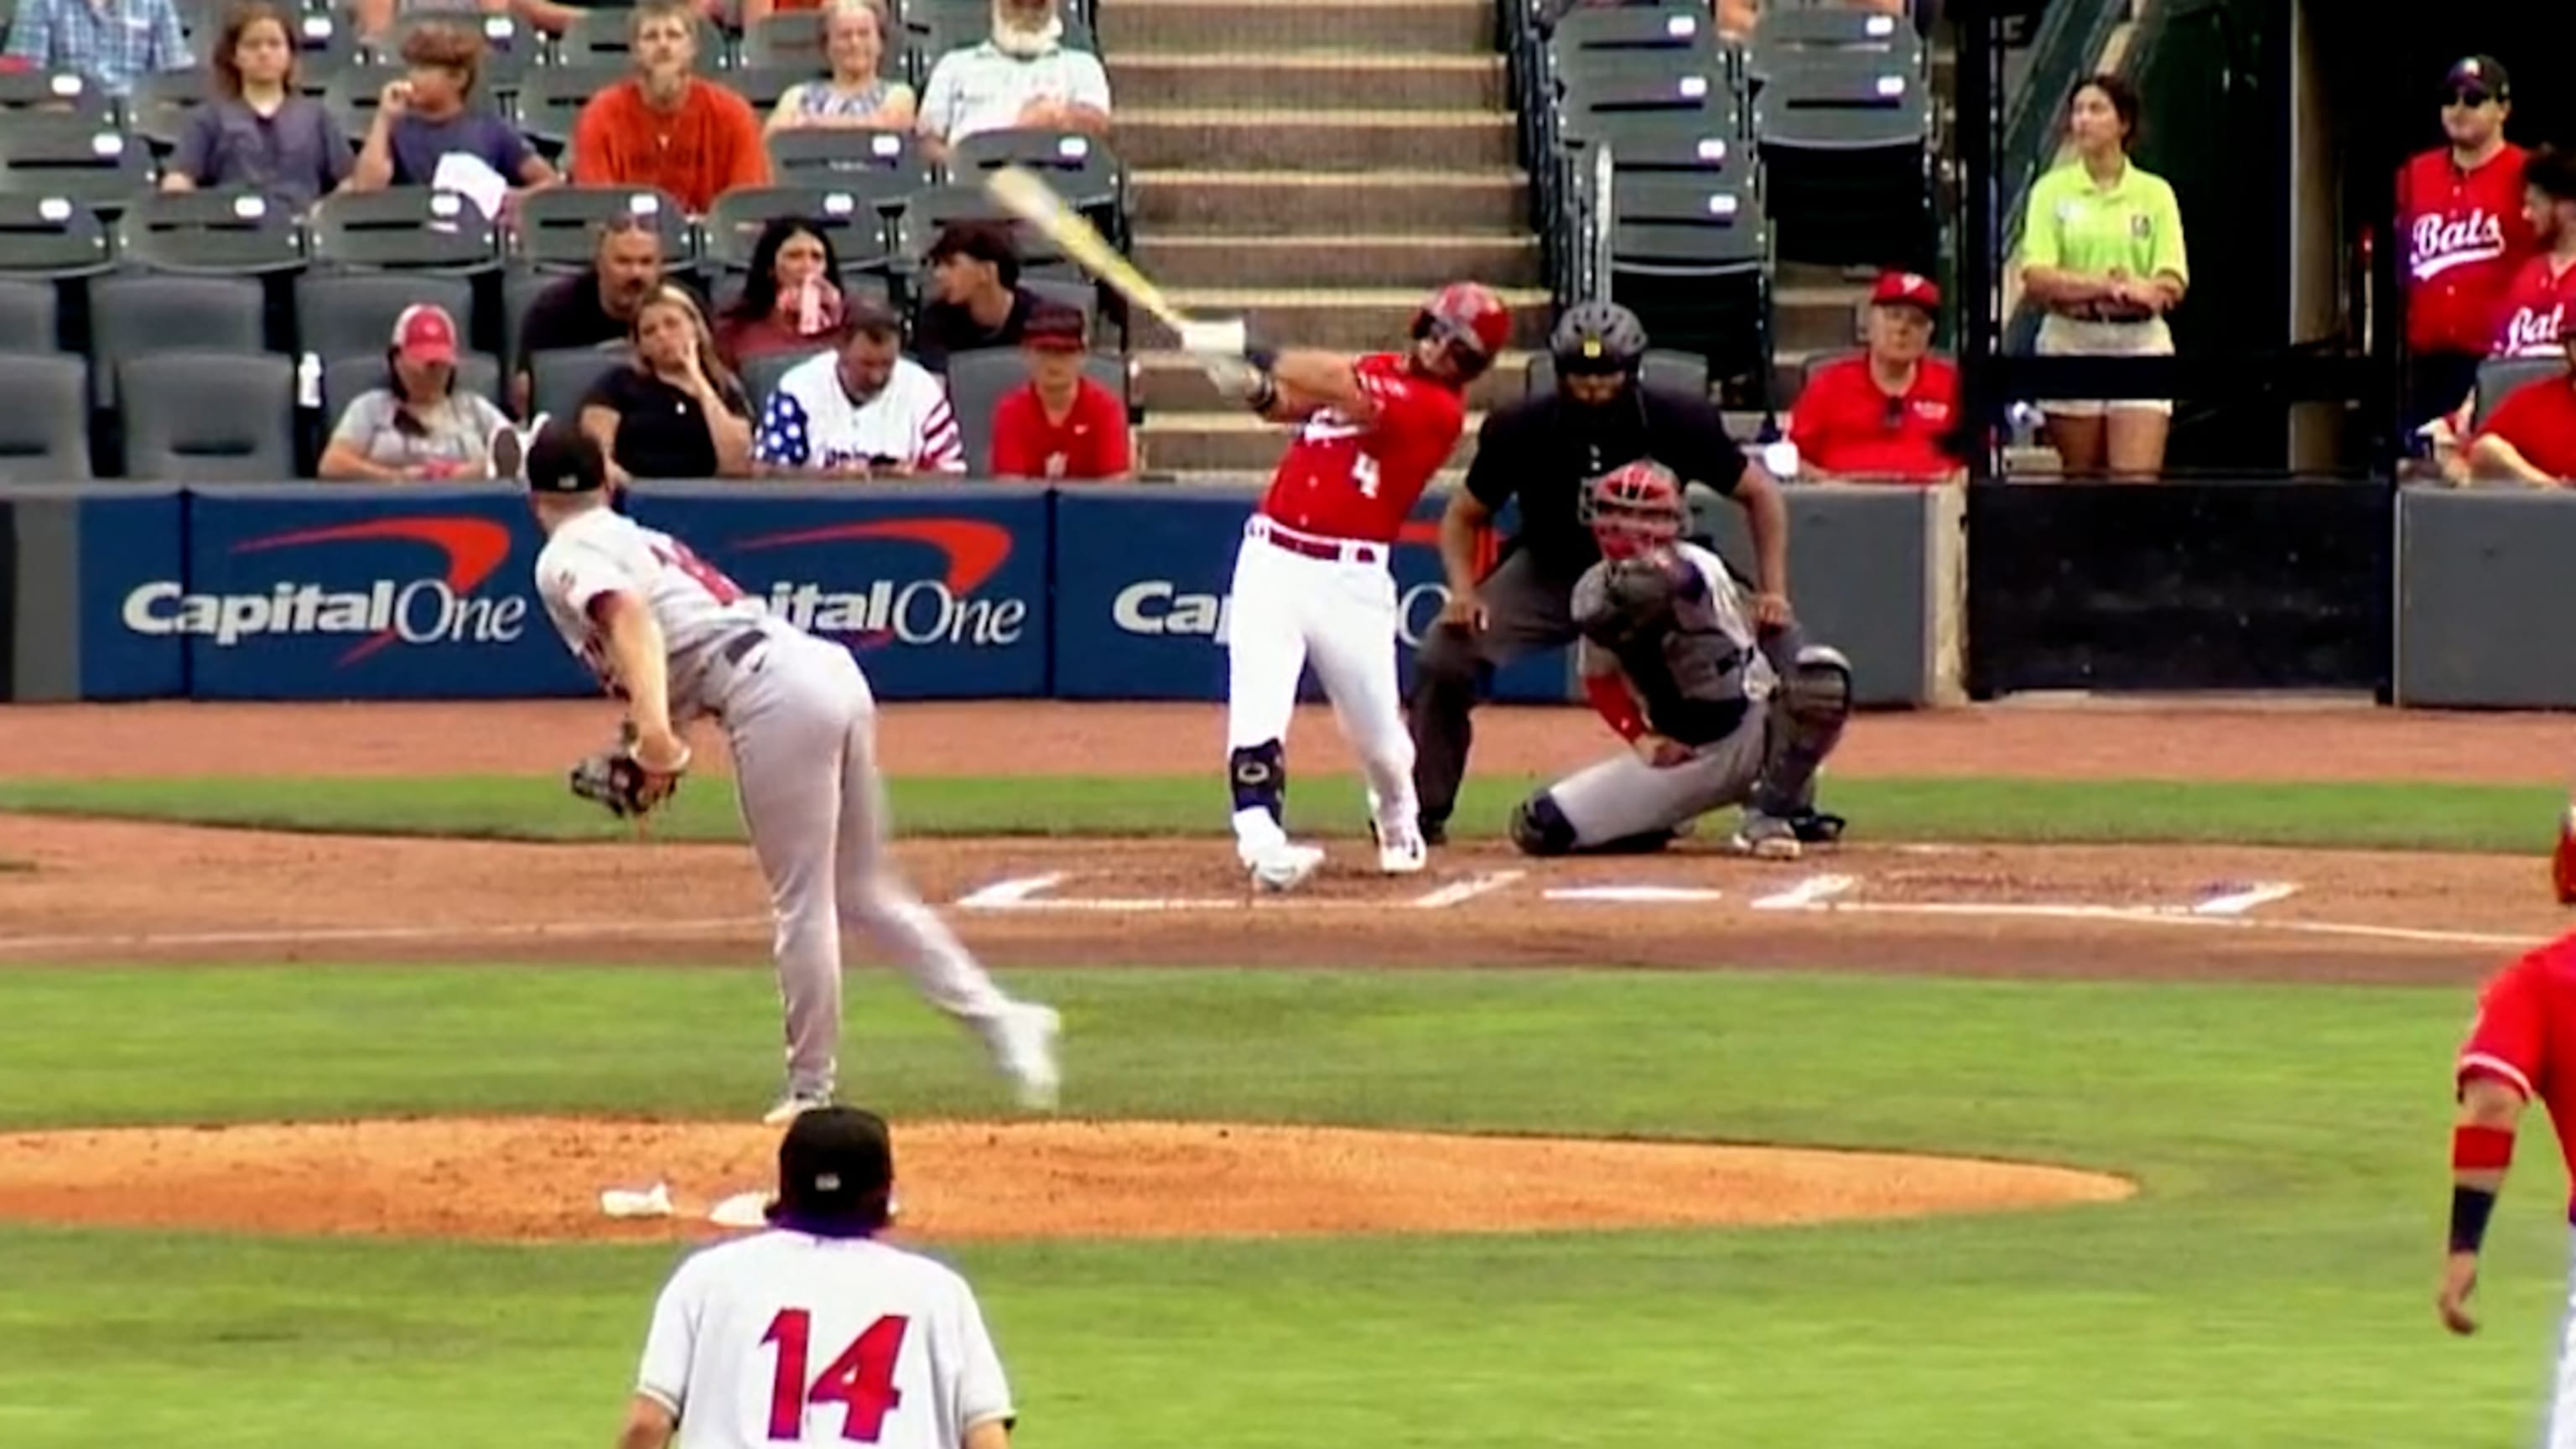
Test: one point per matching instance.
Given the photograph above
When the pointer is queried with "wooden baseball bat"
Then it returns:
(1027, 196)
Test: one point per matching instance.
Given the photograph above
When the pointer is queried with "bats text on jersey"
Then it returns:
(1341, 478)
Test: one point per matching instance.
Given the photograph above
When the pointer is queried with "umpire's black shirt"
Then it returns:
(1546, 449)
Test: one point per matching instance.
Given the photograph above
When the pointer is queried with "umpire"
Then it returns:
(1545, 451)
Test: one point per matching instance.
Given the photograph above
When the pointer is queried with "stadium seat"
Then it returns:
(851, 214)
(338, 314)
(2501, 377)
(225, 232)
(64, 156)
(52, 238)
(760, 375)
(344, 378)
(132, 316)
(1693, 261)
(217, 417)
(548, 102)
(928, 212)
(557, 229)
(158, 109)
(325, 46)
(762, 85)
(1840, 105)
(564, 375)
(55, 93)
(793, 40)
(1846, 152)
(1081, 295)
(405, 228)
(602, 37)
(979, 379)
(1791, 37)
(44, 432)
(1078, 167)
(1620, 108)
(1662, 368)
(30, 319)
(890, 164)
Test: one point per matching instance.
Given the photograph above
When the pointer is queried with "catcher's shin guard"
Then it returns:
(1807, 717)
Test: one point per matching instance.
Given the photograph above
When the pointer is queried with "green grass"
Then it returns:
(2380, 816)
(2269, 1288)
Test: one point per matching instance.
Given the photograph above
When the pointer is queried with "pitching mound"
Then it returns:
(540, 1179)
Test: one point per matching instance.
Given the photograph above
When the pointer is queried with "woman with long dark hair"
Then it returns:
(2102, 250)
(791, 297)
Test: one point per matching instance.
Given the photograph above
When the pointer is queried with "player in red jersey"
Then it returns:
(2460, 212)
(2535, 306)
(1311, 580)
(2522, 1046)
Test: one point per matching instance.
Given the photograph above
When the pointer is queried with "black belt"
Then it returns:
(742, 644)
(2096, 314)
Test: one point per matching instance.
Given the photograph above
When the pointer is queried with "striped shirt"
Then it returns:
(115, 43)
(811, 421)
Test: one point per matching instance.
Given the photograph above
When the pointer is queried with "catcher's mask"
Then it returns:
(835, 1174)
(1635, 508)
(1470, 323)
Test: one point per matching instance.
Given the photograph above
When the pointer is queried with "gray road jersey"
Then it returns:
(1699, 675)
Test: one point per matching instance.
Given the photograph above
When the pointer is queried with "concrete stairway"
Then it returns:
(1317, 166)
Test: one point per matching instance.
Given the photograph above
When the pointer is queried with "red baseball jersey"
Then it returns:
(2525, 1031)
(1091, 442)
(2465, 236)
(2534, 310)
(2539, 419)
(1360, 480)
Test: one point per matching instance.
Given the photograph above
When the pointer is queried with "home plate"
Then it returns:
(1634, 894)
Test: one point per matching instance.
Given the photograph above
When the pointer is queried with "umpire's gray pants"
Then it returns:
(1624, 796)
(1526, 610)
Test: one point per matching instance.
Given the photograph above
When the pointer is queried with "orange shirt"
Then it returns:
(707, 147)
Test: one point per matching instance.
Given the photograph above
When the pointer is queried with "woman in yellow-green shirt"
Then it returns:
(2102, 251)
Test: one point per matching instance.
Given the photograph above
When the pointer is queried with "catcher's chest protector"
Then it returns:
(1697, 671)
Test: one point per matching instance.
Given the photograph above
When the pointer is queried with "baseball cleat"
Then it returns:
(1284, 866)
(1024, 1045)
(2562, 865)
(793, 1106)
(1765, 837)
(1400, 852)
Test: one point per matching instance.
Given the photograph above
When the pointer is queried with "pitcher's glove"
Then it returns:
(621, 784)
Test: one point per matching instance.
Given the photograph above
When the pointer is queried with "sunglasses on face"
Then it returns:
(2471, 97)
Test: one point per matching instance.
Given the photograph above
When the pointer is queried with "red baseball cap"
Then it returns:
(1911, 289)
(425, 333)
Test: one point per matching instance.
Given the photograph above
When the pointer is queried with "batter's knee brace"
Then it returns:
(1539, 828)
(1260, 776)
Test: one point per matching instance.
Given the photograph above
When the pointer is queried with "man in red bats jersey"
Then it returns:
(2460, 213)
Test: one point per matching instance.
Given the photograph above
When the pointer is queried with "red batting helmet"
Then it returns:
(1635, 507)
(1471, 320)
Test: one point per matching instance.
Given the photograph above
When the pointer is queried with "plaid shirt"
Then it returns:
(115, 43)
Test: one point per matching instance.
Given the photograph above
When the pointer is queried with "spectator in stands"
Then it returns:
(975, 295)
(114, 43)
(1062, 425)
(862, 411)
(2531, 437)
(856, 96)
(595, 307)
(675, 411)
(665, 127)
(256, 130)
(1890, 414)
(2460, 208)
(372, 18)
(417, 425)
(791, 298)
(1022, 77)
(2102, 250)
(427, 121)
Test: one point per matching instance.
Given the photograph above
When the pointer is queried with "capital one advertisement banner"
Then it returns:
(337, 593)
(939, 593)
(1141, 577)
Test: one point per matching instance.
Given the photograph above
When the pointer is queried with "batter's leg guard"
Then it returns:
(1260, 776)
(1539, 828)
(1807, 718)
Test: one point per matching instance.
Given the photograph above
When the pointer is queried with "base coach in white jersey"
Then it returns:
(814, 1332)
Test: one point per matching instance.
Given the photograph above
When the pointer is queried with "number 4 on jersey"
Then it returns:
(861, 1380)
(1364, 473)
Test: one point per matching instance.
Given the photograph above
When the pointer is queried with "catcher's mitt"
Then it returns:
(621, 784)
(1630, 599)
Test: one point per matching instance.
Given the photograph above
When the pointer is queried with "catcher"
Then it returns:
(1714, 712)
(675, 639)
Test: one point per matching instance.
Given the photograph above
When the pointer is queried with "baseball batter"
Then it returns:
(814, 1332)
(675, 639)
(2522, 1046)
(1671, 659)
(1311, 580)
